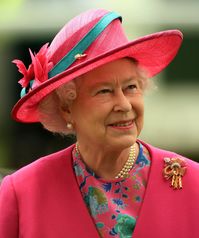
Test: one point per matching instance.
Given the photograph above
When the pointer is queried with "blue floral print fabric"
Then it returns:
(114, 205)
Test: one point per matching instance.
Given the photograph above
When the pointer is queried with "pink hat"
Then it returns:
(89, 40)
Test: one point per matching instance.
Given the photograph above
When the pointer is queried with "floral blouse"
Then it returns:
(114, 205)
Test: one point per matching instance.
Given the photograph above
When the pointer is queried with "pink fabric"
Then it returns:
(43, 200)
(116, 202)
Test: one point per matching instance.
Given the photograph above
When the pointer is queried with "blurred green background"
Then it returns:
(171, 111)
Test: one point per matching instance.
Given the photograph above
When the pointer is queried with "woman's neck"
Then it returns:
(105, 162)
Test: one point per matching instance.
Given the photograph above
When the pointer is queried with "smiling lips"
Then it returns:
(122, 124)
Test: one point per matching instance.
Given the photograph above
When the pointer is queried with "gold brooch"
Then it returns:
(79, 56)
(174, 169)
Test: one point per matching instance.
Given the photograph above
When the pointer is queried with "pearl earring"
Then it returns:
(69, 125)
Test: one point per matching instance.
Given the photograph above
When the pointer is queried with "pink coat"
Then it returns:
(42, 200)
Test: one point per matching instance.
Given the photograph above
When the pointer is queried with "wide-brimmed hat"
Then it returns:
(89, 40)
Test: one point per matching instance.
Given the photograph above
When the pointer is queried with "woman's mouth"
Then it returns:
(122, 125)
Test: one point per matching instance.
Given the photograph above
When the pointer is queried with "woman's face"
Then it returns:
(109, 108)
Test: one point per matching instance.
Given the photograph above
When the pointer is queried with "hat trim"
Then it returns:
(83, 44)
(78, 49)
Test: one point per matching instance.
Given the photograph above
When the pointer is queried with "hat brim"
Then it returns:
(152, 52)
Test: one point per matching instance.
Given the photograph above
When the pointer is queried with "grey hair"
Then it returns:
(52, 106)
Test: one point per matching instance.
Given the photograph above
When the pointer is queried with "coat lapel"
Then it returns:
(163, 212)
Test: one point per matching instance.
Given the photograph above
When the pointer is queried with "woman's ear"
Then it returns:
(65, 111)
(66, 114)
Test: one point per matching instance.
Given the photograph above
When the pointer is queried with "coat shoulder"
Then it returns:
(192, 167)
(44, 167)
(161, 153)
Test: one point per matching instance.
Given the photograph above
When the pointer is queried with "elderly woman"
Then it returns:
(91, 81)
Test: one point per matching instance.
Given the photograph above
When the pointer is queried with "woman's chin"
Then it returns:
(122, 142)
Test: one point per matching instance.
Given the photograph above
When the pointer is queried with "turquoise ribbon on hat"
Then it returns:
(80, 47)
(83, 44)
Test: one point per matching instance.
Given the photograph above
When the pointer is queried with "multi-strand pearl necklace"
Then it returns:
(124, 172)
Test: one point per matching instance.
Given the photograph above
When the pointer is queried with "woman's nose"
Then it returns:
(122, 102)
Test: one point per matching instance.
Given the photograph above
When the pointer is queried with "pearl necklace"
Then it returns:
(124, 172)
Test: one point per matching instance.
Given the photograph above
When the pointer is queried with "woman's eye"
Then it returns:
(104, 91)
(132, 87)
